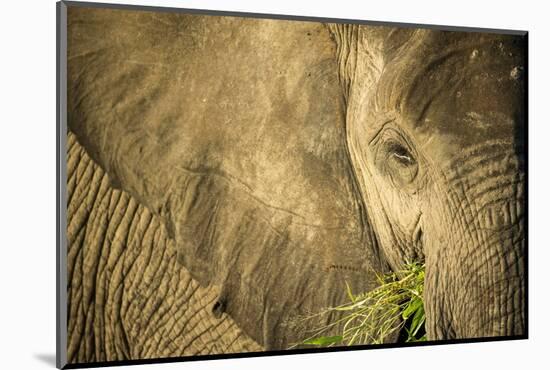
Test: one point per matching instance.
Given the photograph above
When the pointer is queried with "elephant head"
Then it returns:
(287, 159)
(435, 128)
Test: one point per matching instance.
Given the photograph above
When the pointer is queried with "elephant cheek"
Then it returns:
(475, 280)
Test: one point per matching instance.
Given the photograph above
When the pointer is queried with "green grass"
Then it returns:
(395, 307)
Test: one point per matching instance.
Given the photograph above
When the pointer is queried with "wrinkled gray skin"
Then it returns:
(279, 160)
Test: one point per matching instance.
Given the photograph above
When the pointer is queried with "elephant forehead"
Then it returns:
(453, 90)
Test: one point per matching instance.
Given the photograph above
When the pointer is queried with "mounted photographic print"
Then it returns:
(236, 184)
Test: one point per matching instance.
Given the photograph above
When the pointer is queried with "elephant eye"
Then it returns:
(398, 162)
(401, 155)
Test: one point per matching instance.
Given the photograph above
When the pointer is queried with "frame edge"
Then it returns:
(61, 171)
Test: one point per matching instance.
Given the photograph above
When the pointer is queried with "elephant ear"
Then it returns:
(232, 131)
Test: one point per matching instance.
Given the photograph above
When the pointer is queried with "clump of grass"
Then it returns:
(395, 306)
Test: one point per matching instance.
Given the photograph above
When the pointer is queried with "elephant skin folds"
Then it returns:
(127, 296)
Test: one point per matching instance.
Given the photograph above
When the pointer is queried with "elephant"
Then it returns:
(227, 175)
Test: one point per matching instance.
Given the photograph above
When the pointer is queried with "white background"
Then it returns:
(27, 180)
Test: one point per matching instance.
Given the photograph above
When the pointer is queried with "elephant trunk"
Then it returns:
(475, 265)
